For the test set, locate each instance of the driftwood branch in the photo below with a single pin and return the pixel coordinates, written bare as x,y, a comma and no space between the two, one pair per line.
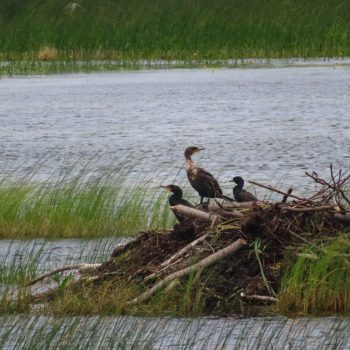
200,265
81,267
195,213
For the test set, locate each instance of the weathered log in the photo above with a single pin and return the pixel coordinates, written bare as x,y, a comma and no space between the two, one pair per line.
195,213
238,244
83,268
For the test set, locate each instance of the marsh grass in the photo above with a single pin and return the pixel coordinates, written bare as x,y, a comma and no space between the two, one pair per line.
81,206
36,31
33,332
319,286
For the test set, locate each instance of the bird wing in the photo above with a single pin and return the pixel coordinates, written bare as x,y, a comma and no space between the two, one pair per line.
210,181
248,197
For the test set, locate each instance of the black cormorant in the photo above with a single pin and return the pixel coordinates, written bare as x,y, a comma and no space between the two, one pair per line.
176,198
239,193
203,182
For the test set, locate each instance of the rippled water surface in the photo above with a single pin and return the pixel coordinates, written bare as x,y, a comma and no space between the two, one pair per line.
33,332
265,124
268,124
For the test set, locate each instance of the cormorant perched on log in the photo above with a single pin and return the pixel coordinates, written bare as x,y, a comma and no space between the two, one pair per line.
203,182
176,199
239,193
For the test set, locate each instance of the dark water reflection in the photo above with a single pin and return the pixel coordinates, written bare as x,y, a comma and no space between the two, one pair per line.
267,124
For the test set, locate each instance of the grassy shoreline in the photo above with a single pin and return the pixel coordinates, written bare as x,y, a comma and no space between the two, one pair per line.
37,67
89,30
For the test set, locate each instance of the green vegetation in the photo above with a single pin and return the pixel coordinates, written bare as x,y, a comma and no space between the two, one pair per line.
319,285
81,206
127,31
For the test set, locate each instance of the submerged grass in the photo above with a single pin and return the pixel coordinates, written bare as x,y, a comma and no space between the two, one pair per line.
319,286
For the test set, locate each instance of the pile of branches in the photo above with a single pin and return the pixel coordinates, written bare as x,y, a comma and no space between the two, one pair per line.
247,243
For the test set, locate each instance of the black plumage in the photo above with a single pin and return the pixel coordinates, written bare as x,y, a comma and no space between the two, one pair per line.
202,181
176,199
239,193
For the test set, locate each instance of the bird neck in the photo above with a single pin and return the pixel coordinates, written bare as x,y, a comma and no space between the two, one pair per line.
189,163
238,187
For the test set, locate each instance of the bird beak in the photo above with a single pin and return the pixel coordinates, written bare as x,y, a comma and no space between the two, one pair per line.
230,180
201,149
165,187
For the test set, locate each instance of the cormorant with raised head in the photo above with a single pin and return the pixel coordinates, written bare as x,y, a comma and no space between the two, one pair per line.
176,198
203,182
239,193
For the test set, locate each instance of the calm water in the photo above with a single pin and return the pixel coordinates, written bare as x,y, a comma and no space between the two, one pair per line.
266,124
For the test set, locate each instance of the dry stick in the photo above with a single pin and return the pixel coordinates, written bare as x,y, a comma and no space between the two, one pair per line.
325,183
302,210
279,191
80,267
199,214
259,297
174,259
229,205
184,250
238,244
285,197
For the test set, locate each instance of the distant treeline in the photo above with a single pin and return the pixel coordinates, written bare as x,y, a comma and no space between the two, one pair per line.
173,29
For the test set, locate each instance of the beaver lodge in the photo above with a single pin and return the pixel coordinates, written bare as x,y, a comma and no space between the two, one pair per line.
232,256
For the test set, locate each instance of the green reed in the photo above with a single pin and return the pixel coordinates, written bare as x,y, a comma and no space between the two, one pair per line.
321,285
173,29
81,206
33,332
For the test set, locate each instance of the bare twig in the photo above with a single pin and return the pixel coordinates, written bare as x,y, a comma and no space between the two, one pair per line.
285,197
279,191
81,267
184,250
307,209
259,297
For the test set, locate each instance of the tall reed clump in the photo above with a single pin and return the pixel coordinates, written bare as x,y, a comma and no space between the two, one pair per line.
81,206
320,285
172,29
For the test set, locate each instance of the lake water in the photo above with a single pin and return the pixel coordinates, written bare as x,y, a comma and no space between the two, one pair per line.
265,124
39,332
